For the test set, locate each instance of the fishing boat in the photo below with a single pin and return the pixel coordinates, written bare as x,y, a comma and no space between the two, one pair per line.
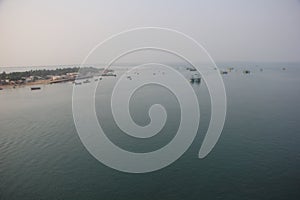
192,69
83,77
198,80
35,88
195,80
109,74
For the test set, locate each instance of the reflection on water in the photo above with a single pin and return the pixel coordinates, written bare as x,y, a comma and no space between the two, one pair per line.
257,156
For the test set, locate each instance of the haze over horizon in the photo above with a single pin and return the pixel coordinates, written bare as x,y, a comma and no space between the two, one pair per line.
41,32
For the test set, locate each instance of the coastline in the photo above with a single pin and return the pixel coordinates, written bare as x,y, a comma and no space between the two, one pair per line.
40,77
39,82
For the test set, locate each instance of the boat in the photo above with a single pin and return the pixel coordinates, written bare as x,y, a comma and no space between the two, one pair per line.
191,69
195,80
224,72
77,83
108,74
86,81
35,88
1,88
62,80
84,77
246,72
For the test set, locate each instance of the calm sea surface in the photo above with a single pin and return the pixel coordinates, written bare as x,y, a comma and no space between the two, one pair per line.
257,156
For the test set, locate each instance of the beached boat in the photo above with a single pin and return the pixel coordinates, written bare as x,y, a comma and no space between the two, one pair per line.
62,80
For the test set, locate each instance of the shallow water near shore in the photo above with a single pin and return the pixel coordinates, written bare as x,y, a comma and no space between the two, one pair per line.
257,156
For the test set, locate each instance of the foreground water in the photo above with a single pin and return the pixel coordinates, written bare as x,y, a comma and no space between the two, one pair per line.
257,156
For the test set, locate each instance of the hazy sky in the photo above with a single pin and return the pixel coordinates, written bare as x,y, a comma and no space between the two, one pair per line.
42,32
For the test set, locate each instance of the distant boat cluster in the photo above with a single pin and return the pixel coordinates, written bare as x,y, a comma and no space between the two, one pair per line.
245,71
82,79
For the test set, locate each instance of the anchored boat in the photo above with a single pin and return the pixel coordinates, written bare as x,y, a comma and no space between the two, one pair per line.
35,88
195,79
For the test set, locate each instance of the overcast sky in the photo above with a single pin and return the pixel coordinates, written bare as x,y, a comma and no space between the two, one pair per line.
47,32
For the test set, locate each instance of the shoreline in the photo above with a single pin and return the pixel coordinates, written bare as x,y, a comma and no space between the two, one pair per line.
40,82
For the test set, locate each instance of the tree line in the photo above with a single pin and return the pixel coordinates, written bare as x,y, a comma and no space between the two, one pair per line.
14,76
